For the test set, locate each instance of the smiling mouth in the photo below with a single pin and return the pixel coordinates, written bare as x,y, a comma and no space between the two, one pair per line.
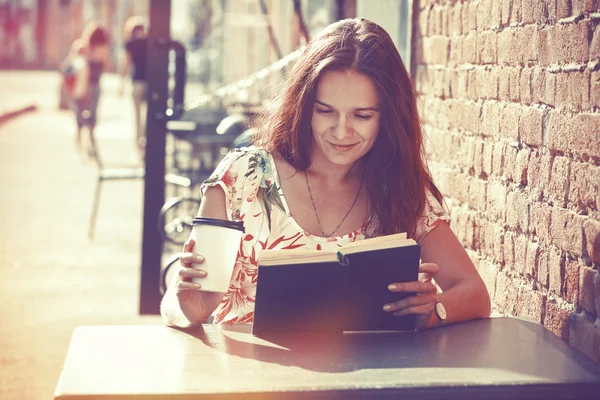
342,147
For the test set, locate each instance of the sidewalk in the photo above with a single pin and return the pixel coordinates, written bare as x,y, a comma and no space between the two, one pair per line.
53,279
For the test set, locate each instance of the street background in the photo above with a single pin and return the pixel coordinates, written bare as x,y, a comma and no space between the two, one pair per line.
52,277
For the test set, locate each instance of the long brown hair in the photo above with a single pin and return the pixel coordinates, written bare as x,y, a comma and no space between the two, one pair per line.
397,176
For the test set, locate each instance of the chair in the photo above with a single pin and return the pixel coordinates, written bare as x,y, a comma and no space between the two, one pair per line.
120,174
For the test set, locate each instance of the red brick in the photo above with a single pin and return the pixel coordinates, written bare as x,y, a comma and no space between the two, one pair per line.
519,175
496,198
436,50
498,247
435,21
595,89
514,78
498,159
566,231
439,83
490,118
533,12
525,86
533,256
517,211
543,86
422,79
455,19
509,121
464,115
571,283
573,91
489,83
559,180
530,304
538,172
487,47
577,133
419,53
547,46
515,13
592,241
487,159
508,48
595,44
469,49
506,293
557,320
458,83
526,41
543,268
455,50
469,16
503,83
556,260
582,6
477,194
584,336
573,42
510,162
540,220
506,8
563,8
509,250
521,255
587,277
473,88
584,184
531,126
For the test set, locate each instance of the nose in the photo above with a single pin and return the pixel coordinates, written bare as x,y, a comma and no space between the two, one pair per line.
342,129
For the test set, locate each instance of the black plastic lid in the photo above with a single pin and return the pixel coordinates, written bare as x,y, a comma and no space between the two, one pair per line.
239,225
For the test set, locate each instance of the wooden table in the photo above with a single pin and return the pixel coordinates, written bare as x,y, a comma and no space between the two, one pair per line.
491,358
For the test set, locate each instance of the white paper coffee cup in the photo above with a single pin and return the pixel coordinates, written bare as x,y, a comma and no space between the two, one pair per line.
218,241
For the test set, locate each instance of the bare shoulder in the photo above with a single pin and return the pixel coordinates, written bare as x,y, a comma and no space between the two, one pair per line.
285,170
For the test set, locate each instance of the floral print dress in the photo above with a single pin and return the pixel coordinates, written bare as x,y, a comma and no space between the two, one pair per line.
253,194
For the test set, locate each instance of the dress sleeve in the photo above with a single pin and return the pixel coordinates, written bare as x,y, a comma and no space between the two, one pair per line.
433,214
231,175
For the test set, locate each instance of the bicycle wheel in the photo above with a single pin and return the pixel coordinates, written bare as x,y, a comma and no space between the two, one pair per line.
166,274
175,218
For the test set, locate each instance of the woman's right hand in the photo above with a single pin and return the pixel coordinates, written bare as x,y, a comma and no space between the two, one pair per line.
187,271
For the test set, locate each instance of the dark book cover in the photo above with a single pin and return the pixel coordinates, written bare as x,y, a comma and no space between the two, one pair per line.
333,297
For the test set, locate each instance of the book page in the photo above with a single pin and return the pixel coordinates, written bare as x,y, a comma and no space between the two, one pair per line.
377,243
297,256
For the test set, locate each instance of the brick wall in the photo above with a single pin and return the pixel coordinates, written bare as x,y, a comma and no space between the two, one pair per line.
510,94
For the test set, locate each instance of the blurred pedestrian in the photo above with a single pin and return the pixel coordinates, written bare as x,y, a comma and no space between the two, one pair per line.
96,41
68,69
134,66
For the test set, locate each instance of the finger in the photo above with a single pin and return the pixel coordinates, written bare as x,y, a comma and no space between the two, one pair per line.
428,271
424,309
188,246
192,273
188,260
182,286
408,302
413,287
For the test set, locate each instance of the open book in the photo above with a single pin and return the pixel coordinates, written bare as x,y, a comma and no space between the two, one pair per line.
301,291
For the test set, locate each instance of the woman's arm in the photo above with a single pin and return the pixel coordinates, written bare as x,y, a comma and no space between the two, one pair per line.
183,304
125,70
464,296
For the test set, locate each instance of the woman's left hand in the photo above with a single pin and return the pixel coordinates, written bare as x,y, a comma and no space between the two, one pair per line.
423,302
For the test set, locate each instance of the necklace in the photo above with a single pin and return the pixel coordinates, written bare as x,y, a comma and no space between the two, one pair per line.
317,214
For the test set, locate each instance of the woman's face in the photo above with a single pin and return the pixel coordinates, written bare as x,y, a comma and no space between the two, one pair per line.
345,118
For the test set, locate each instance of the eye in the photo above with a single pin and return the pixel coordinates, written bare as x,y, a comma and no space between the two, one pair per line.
363,117
323,111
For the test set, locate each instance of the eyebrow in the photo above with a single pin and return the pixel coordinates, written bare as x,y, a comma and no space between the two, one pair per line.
375,109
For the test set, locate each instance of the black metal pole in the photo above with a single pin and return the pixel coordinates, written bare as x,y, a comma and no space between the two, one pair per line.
154,182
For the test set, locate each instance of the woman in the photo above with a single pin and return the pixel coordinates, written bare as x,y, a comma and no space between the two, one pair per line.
86,93
339,158
135,64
